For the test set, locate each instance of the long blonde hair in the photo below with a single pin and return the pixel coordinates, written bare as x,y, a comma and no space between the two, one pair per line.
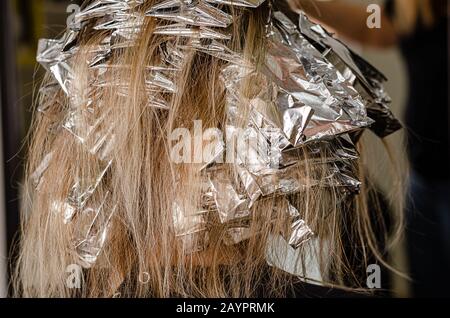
141,184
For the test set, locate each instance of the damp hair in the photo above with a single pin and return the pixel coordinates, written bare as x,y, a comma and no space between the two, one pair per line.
142,184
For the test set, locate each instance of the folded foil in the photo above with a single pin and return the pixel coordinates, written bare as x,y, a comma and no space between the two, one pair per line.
84,188
356,70
192,12
239,3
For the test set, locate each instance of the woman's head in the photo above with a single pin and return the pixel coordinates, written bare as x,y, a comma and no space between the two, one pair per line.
117,179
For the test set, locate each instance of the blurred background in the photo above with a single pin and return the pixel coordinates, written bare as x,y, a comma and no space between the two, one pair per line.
23,22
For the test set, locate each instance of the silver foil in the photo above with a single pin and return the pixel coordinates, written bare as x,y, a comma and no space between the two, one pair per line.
192,12
356,70
239,3
190,229
299,232
92,226
83,189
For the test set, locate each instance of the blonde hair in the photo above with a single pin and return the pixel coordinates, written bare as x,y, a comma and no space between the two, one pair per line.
142,184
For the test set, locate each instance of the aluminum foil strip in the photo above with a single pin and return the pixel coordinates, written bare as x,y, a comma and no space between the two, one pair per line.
96,137
188,224
62,209
158,81
194,236
93,132
289,181
59,62
155,99
251,188
192,12
129,21
181,30
90,226
258,153
220,51
97,143
285,182
299,232
316,33
52,57
236,235
91,230
230,203
103,8
252,148
347,182
87,118
233,199
385,121
239,3
190,229
56,61
83,189
172,55
339,149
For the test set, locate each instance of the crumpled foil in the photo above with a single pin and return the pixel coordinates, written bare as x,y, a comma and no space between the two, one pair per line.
92,227
311,96
360,74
